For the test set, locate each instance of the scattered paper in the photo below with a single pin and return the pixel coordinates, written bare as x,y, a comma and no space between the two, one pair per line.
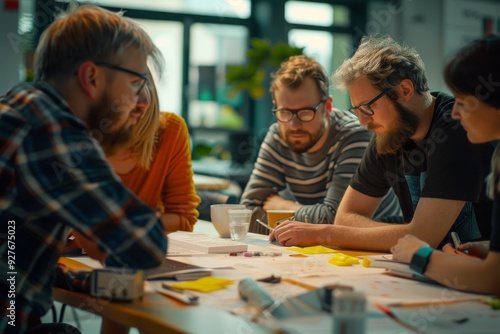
205,284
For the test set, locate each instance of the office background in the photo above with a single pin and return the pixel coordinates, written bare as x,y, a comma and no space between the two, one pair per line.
202,39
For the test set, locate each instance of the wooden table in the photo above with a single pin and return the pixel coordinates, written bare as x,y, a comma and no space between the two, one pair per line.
155,313
204,182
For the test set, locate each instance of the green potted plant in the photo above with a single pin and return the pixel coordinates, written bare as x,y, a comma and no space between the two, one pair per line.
262,57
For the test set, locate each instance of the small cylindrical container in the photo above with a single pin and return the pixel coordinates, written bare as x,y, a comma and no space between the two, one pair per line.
349,312
239,222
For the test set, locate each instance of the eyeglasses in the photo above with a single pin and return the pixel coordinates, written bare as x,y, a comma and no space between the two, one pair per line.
366,108
304,115
144,77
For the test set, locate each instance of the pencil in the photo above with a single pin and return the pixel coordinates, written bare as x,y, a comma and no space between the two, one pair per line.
297,283
434,302
264,224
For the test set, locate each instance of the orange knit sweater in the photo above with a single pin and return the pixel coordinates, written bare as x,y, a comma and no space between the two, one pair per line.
168,185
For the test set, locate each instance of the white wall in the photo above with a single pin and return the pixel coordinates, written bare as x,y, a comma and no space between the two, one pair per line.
10,54
422,29
435,28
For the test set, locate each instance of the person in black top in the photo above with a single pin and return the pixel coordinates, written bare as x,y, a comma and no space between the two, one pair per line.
473,76
418,150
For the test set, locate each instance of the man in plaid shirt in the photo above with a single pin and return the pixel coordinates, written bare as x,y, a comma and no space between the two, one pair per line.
90,69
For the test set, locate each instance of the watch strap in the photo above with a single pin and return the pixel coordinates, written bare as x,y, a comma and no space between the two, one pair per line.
420,259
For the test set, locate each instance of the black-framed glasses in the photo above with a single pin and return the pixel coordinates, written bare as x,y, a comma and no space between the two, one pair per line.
366,108
304,114
143,76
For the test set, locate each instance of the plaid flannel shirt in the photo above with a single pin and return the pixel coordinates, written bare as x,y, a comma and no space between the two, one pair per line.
53,177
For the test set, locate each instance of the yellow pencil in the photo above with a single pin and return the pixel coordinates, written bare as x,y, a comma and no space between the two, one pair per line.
297,283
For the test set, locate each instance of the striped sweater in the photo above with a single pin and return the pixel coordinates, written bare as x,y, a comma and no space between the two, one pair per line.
315,180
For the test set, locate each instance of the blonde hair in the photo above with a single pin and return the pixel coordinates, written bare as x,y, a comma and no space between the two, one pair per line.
147,132
293,72
89,33
385,63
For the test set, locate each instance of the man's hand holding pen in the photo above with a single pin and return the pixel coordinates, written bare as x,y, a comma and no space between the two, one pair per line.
292,233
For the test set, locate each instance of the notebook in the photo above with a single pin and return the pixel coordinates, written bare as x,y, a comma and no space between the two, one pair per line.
207,244
399,269
176,270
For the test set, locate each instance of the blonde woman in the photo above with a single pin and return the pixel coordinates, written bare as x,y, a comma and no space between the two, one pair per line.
156,164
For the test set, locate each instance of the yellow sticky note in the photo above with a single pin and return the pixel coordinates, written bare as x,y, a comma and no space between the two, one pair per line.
313,250
340,259
204,284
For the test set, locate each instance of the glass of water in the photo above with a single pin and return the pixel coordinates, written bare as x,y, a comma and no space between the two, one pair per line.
239,221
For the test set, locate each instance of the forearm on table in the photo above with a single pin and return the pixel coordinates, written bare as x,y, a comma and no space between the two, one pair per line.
379,239
470,274
356,220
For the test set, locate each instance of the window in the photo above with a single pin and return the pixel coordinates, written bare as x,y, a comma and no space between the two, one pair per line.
220,8
318,45
318,14
167,36
323,30
214,47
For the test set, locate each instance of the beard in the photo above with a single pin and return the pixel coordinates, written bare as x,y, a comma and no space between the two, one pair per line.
302,147
405,127
101,126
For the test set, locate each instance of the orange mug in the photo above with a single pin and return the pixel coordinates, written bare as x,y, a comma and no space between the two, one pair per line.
275,215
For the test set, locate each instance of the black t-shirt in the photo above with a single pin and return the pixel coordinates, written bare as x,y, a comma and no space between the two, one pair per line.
443,165
495,193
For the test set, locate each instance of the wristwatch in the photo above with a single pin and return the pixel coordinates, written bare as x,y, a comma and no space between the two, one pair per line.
420,259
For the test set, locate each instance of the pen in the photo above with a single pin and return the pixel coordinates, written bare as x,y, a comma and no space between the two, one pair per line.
264,224
236,253
178,294
456,239
252,254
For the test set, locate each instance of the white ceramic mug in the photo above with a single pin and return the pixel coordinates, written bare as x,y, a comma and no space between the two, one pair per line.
218,216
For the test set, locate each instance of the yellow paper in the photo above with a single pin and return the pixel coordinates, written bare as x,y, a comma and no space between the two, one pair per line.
340,259
313,250
205,284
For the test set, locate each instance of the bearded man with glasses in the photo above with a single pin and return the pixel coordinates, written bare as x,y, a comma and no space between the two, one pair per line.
311,152
90,70
417,150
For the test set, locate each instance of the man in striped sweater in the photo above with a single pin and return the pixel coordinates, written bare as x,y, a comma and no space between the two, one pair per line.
312,151
418,150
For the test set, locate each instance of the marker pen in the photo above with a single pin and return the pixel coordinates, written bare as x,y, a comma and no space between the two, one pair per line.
252,254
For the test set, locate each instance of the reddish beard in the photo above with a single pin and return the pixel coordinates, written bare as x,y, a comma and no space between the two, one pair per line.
102,126
301,147
405,127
